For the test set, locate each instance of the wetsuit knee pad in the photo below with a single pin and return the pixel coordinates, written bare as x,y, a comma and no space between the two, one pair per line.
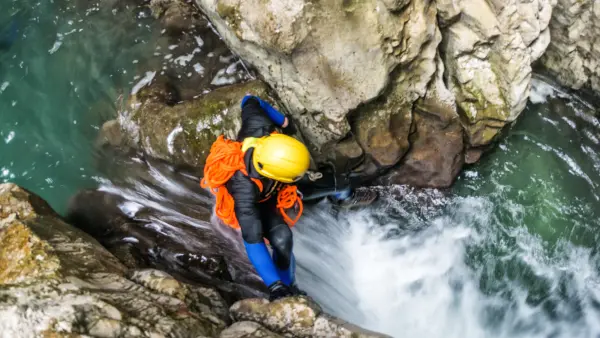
282,241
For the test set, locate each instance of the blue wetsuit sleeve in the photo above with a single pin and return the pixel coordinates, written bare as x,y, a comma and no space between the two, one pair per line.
274,115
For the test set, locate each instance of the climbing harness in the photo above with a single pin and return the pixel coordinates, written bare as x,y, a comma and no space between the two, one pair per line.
226,157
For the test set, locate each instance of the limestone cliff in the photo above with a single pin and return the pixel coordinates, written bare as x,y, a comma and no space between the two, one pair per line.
392,77
573,56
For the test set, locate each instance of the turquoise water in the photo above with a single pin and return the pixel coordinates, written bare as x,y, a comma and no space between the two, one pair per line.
58,83
512,250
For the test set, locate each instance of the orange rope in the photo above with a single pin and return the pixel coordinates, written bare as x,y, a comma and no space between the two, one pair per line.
286,199
225,158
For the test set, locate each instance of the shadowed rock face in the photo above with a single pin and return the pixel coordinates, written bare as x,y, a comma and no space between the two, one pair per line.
157,216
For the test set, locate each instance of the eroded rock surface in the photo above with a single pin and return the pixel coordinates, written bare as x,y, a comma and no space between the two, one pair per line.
182,133
56,280
296,317
488,49
574,53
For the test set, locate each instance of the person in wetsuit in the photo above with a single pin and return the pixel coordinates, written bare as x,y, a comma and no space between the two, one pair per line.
276,160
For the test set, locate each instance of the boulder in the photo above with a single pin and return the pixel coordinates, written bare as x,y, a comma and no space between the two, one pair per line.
301,49
295,317
58,281
358,72
573,56
183,133
437,147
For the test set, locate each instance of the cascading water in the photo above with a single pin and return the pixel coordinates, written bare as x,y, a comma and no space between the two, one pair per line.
510,252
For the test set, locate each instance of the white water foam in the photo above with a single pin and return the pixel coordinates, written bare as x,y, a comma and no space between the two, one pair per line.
419,285
541,91
415,285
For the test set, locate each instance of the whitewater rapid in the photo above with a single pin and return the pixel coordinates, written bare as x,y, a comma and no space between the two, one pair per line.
419,283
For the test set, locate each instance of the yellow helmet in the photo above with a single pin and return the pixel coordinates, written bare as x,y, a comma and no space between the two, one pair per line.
281,158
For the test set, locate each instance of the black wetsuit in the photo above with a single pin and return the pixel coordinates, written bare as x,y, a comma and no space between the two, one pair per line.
259,220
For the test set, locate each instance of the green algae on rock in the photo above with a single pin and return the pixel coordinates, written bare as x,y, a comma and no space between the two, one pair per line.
183,133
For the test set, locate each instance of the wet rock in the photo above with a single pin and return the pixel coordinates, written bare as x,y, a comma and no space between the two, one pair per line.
473,155
110,135
58,281
194,253
573,56
301,49
183,133
248,330
189,57
160,282
155,215
201,298
436,156
436,153
176,16
488,53
345,155
295,317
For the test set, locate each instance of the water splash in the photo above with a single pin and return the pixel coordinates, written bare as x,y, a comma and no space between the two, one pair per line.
426,283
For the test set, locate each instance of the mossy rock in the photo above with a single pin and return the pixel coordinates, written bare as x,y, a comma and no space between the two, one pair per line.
183,134
24,257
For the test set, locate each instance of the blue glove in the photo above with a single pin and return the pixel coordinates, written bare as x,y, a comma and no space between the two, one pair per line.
273,114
